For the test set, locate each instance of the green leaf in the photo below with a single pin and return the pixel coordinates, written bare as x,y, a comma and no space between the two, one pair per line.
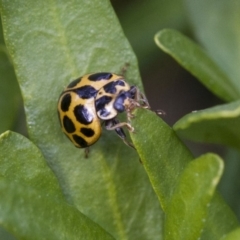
235,234
6,235
220,219
31,215
31,203
52,43
230,182
21,161
187,212
9,89
214,125
164,158
216,26
196,61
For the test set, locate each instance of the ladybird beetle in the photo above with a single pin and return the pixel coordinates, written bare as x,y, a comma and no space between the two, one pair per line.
95,98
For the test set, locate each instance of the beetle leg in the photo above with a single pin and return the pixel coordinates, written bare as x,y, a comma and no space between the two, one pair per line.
124,69
120,132
138,99
87,150
114,124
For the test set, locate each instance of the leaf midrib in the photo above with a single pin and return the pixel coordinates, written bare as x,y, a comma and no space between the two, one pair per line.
112,193
63,40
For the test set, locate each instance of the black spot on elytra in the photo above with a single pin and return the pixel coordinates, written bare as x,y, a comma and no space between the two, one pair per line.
118,104
82,114
111,87
65,102
86,92
132,92
100,76
68,124
88,132
102,101
74,83
80,141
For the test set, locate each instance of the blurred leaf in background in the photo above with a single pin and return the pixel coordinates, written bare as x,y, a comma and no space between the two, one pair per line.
216,26
194,59
142,19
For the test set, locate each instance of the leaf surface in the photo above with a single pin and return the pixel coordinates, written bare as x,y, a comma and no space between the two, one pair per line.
31,204
214,125
187,212
235,234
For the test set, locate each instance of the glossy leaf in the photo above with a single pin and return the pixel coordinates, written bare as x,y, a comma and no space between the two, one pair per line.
187,212
31,203
196,61
216,26
52,43
215,125
164,158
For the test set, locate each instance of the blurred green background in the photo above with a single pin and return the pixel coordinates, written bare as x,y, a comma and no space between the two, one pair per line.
168,86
